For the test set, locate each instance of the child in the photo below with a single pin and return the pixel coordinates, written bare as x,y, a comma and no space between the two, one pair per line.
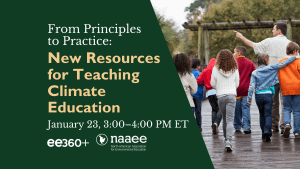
204,79
242,118
197,98
225,79
263,81
189,83
289,78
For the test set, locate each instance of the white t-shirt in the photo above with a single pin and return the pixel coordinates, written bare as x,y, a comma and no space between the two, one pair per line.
275,47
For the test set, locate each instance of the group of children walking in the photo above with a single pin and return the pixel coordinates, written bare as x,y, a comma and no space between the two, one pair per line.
230,81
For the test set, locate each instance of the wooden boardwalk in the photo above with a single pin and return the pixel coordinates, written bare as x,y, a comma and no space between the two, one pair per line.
249,150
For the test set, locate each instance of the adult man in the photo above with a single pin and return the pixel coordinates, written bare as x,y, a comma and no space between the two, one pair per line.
275,47
242,118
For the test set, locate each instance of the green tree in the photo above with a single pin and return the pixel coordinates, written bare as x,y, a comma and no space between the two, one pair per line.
189,43
200,3
236,11
168,29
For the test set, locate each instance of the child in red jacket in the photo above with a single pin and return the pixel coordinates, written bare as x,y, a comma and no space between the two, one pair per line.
204,79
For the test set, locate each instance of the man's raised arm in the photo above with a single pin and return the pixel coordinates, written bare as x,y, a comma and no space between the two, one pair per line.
245,40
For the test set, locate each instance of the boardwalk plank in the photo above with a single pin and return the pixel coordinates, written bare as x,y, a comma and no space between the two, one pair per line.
249,150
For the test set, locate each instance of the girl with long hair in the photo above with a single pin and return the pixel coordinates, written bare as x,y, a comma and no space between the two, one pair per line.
225,79
189,83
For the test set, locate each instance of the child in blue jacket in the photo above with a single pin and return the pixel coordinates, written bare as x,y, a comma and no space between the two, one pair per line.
262,82
197,98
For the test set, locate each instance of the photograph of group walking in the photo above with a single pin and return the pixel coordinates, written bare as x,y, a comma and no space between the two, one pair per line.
231,81
239,65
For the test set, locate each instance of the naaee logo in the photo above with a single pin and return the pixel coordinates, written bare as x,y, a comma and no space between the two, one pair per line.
102,139
128,139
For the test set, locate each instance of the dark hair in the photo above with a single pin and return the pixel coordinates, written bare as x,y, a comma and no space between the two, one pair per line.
291,47
282,26
225,61
262,59
182,63
195,62
242,50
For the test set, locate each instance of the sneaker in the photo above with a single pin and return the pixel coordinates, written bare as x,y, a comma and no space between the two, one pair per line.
267,136
263,136
275,128
237,130
286,132
228,146
215,128
297,135
247,131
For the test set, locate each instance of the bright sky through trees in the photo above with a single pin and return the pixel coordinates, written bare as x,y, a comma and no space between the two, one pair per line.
173,9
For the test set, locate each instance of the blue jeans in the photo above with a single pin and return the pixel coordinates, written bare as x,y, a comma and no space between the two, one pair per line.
264,103
197,110
242,118
291,103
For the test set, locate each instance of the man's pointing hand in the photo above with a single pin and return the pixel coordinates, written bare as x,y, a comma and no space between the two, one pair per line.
238,34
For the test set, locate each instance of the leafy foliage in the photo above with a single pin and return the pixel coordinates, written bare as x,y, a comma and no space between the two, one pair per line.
187,43
236,11
169,32
200,3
